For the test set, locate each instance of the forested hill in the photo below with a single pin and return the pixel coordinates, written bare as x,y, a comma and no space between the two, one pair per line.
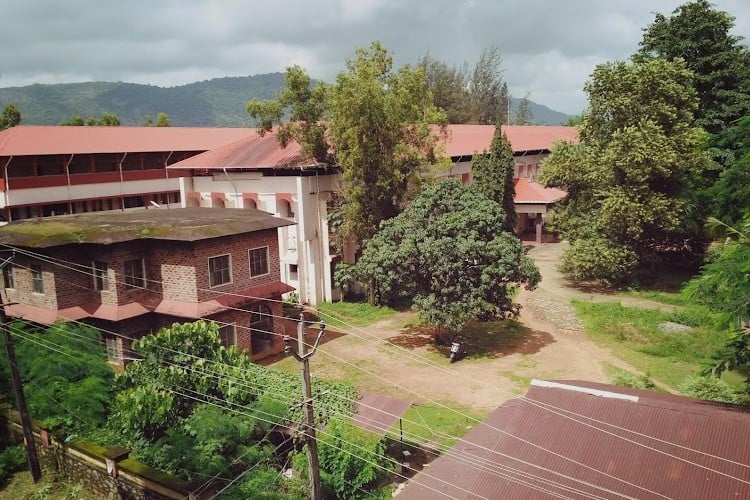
218,102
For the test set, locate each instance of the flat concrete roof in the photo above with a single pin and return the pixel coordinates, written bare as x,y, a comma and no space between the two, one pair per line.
113,226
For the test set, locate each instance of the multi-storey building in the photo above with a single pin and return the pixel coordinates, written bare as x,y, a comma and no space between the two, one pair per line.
53,170
132,273
257,172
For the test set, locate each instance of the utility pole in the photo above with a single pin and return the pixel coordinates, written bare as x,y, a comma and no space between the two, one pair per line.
28,434
316,491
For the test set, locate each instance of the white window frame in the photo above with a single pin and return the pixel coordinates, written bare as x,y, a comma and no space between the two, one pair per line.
250,261
130,277
100,275
233,326
33,272
210,271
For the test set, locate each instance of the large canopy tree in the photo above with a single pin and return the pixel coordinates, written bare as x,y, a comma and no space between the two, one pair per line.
476,96
449,254
629,179
374,122
700,35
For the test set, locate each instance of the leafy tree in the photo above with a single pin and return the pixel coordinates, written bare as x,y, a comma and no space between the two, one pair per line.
75,121
380,127
162,120
730,194
10,117
477,96
306,107
449,87
523,114
700,35
104,120
351,459
629,180
378,122
449,254
493,176
69,386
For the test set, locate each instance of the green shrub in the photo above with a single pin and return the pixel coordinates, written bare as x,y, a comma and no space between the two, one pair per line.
627,379
352,460
12,459
709,388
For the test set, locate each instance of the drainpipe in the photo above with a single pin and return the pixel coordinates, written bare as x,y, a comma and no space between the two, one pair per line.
233,187
166,176
7,186
67,175
122,194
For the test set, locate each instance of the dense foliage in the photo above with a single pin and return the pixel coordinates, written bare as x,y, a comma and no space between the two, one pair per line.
476,96
378,123
449,255
630,179
493,176
104,120
10,117
724,285
69,386
700,35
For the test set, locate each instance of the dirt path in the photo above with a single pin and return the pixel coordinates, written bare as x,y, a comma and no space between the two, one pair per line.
391,358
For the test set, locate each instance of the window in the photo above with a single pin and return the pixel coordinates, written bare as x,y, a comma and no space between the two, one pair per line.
259,261
227,335
261,328
219,270
8,276
101,278
135,273
293,269
114,349
37,283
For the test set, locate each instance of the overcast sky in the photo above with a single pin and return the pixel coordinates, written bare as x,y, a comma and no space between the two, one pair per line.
549,47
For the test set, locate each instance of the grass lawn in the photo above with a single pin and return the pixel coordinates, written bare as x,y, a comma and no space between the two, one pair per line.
22,487
435,424
635,336
343,314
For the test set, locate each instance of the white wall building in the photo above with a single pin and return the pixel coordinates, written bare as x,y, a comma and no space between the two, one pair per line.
257,172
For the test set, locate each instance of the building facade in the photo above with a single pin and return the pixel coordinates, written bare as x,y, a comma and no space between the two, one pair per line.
56,170
257,172
132,273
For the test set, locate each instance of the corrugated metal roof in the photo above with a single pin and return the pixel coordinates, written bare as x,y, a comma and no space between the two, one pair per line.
533,193
176,224
378,413
50,139
465,140
250,152
575,444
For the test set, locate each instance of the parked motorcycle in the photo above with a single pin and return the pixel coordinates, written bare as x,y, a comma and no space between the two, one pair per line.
457,351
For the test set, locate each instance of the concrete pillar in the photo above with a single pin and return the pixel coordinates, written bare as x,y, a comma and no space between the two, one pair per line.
539,223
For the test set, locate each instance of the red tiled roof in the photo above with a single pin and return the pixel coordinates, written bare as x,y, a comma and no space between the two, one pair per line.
101,311
531,192
252,152
465,140
656,446
49,139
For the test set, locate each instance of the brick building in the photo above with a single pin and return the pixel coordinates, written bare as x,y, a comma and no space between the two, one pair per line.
132,273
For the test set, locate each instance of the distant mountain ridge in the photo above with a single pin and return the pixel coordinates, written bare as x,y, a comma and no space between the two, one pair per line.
219,102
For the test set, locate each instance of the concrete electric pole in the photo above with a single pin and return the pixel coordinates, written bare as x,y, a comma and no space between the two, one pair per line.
316,491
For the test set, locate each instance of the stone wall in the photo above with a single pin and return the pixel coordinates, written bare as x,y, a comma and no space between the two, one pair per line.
85,463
